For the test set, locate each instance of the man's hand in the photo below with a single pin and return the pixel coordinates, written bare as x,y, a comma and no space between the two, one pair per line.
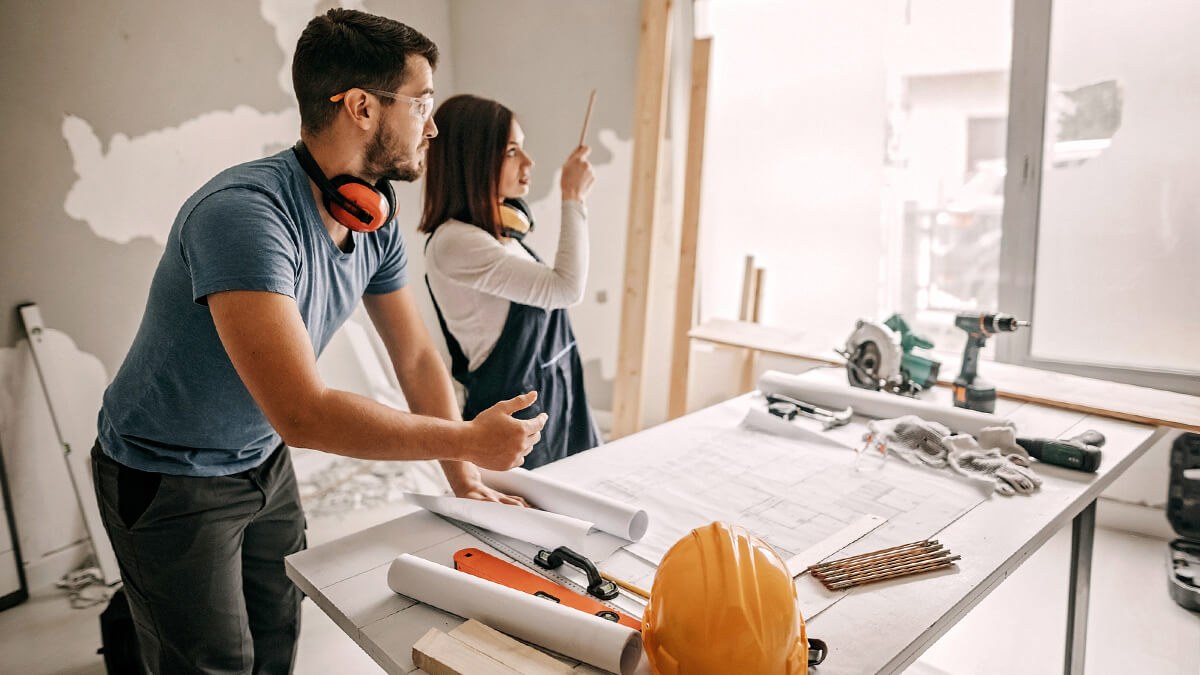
467,483
501,441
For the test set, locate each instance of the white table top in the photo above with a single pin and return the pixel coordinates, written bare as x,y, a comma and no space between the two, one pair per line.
878,628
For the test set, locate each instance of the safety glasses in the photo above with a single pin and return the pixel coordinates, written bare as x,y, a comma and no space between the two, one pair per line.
421,106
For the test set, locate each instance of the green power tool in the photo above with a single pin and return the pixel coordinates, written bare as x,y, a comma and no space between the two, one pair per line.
880,356
1081,452
971,391
921,370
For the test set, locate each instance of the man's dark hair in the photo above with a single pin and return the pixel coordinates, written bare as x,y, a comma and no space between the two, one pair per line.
345,48
462,166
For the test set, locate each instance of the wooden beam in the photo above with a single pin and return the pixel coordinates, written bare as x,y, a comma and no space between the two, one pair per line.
440,654
756,308
689,237
649,113
746,307
751,309
477,649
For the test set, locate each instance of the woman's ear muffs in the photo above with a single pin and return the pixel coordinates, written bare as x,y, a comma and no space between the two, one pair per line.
516,218
351,201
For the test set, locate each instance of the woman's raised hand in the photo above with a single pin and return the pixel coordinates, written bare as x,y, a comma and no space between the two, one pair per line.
577,176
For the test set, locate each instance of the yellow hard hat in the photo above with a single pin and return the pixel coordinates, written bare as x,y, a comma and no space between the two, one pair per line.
723,601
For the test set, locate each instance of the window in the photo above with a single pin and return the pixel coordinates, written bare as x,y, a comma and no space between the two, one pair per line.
1107,240
930,158
855,150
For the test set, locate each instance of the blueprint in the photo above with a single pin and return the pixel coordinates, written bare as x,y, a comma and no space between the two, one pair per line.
790,492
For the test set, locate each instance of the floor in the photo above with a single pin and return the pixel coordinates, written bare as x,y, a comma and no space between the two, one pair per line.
1134,626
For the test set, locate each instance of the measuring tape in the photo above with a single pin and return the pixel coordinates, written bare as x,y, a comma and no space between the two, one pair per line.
491,539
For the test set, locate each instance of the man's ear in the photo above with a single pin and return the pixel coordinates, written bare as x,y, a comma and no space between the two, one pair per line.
364,110
360,108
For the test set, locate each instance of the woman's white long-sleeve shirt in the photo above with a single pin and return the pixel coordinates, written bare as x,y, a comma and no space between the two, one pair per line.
475,278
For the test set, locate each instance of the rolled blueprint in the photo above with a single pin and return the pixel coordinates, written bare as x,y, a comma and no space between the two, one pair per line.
545,529
579,635
877,404
603,512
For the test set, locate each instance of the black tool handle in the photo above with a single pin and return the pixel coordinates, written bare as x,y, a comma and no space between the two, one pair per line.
597,586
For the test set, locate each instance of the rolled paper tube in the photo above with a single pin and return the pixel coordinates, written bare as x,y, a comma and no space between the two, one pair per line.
605,644
877,404
605,513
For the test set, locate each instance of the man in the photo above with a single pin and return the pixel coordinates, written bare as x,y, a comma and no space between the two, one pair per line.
191,467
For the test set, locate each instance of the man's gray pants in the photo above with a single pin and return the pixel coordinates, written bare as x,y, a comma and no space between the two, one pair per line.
202,563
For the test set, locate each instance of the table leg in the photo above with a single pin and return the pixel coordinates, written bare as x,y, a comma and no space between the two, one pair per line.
1083,534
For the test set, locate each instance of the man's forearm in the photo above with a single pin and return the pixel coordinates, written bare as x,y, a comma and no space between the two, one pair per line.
348,424
429,391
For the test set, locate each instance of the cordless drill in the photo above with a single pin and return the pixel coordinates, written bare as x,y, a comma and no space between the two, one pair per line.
970,390
1081,452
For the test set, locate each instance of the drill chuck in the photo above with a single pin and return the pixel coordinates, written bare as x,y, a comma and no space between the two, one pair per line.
988,324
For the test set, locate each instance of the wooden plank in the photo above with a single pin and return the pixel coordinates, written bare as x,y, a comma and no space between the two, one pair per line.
756,307
1088,395
1059,390
746,306
765,339
689,237
508,651
751,310
440,654
649,113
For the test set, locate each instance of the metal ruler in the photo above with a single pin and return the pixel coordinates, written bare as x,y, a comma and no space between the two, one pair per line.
498,542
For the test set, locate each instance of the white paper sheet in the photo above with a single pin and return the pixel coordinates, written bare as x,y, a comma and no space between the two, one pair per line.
792,493
877,404
576,634
603,512
547,530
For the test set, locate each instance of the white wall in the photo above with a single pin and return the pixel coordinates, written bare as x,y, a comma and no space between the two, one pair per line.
793,161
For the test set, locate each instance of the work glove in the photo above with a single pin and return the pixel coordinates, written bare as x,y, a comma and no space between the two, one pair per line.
1007,473
915,440
1004,439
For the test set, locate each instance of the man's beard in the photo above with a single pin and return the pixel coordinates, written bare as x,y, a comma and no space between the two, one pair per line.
384,161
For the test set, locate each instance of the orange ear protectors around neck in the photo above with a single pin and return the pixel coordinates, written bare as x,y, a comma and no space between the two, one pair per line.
516,218
351,201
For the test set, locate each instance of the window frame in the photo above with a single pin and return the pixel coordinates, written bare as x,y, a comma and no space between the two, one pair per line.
1029,77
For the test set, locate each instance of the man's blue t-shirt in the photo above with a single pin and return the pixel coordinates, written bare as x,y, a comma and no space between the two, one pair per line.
177,405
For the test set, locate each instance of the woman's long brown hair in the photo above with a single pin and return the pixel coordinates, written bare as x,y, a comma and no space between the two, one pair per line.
462,175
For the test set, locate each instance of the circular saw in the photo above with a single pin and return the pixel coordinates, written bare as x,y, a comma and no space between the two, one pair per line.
873,356
880,356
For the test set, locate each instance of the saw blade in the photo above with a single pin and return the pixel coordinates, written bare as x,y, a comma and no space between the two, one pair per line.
866,359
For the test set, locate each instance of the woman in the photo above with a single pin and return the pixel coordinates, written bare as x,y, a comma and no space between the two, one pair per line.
501,309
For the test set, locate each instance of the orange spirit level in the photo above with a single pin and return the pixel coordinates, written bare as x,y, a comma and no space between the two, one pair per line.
486,566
